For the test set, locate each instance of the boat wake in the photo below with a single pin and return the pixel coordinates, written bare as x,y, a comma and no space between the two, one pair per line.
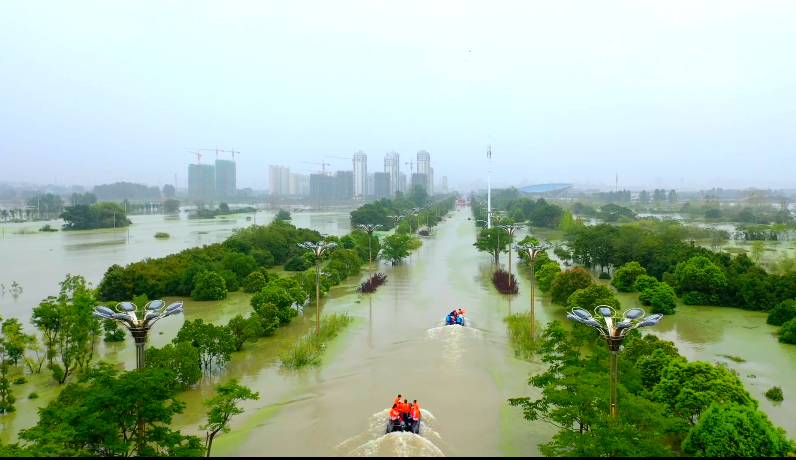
375,443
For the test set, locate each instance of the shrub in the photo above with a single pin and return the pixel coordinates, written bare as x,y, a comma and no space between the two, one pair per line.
568,282
48,228
775,394
21,380
369,286
662,298
162,235
33,395
546,275
209,286
518,215
255,282
503,283
787,334
262,257
643,282
230,279
593,295
782,313
604,276
113,333
307,350
296,264
625,276
423,232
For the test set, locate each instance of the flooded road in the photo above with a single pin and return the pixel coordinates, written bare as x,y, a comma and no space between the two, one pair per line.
461,377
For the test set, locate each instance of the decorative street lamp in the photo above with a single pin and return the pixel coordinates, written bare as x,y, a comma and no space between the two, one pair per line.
396,219
532,252
370,228
138,320
510,229
318,249
614,329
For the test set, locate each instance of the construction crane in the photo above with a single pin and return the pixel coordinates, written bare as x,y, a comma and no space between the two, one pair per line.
319,172
233,152
342,158
213,150
198,156
411,165
322,163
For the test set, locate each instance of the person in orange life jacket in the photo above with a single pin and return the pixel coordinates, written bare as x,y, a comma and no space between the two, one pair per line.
397,401
395,412
415,411
405,410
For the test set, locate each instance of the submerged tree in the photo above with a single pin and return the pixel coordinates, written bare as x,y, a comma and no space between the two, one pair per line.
223,407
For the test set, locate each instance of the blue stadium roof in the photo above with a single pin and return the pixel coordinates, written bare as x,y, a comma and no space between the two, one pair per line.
544,188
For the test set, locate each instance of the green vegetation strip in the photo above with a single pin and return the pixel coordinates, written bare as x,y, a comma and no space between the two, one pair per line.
519,330
307,350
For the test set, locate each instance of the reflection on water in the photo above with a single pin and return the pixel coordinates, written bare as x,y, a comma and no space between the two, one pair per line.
453,338
374,442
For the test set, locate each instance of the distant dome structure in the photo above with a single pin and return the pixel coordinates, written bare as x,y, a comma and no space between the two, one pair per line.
547,190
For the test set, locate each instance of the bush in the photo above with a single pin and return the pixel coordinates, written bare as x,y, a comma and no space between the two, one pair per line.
48,228
230,279
113,333
296,264
262,257
162,235
423,232
604,276
662,298
568,282
590,297
519,329
503,283
782,313
21,380
787,334
307,350
33,395
518,215
369,286
775,394
255,282
643,282
546,275
625,276
209,286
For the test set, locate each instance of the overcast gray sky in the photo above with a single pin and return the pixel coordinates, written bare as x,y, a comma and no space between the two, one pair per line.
662,92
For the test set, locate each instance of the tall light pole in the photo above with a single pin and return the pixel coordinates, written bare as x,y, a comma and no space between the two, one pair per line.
614,330
397,219
489,186
370,228
532,252
138,321
318,249
510,229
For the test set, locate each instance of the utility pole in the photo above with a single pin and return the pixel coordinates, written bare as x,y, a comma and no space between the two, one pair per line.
489,188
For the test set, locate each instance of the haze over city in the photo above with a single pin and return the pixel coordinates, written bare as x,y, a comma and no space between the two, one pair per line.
674,94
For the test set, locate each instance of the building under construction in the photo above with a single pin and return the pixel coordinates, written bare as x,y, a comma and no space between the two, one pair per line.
226,186
201,181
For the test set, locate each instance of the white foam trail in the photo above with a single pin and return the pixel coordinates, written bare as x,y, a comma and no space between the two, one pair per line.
374,442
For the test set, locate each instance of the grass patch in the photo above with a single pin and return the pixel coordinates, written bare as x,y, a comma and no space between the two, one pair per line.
737,359
414,243
162,235
307,351
518,326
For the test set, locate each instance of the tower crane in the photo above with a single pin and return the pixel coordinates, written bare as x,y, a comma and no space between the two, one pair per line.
213,150
198,156
342,158
411,165
233,152
322,163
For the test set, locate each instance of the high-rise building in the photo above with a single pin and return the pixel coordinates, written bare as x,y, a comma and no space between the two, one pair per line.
382,185
444,185
392,162
279,180
360,173
322,186
424,167
420,180
201,181
226,186
371,185
402,183
299,184
344,185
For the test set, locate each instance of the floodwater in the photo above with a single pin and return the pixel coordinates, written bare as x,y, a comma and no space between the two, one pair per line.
461,377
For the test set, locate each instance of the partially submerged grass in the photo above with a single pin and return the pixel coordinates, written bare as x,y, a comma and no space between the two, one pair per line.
737,359
162,235
518,326
308,349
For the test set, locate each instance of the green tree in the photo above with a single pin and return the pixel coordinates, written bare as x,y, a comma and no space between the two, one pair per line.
230,280
223,407
214,344
734,430
396,248
688,389
644,282
100,215
782,313
278,297
568,282
240,264
171,205
110,415
297,264
418,195
492,241
662,299
181,358
787,334
283,215
209,286
262,257
517,215
7,398
590,297
625,276
113,333
169,191
699,280
244,330
546,275
254,282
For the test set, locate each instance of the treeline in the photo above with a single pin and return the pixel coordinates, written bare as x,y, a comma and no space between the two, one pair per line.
126,190
379,212
90,217
665,402
538,213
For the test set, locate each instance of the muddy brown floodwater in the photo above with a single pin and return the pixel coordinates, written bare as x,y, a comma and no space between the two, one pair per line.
461,377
